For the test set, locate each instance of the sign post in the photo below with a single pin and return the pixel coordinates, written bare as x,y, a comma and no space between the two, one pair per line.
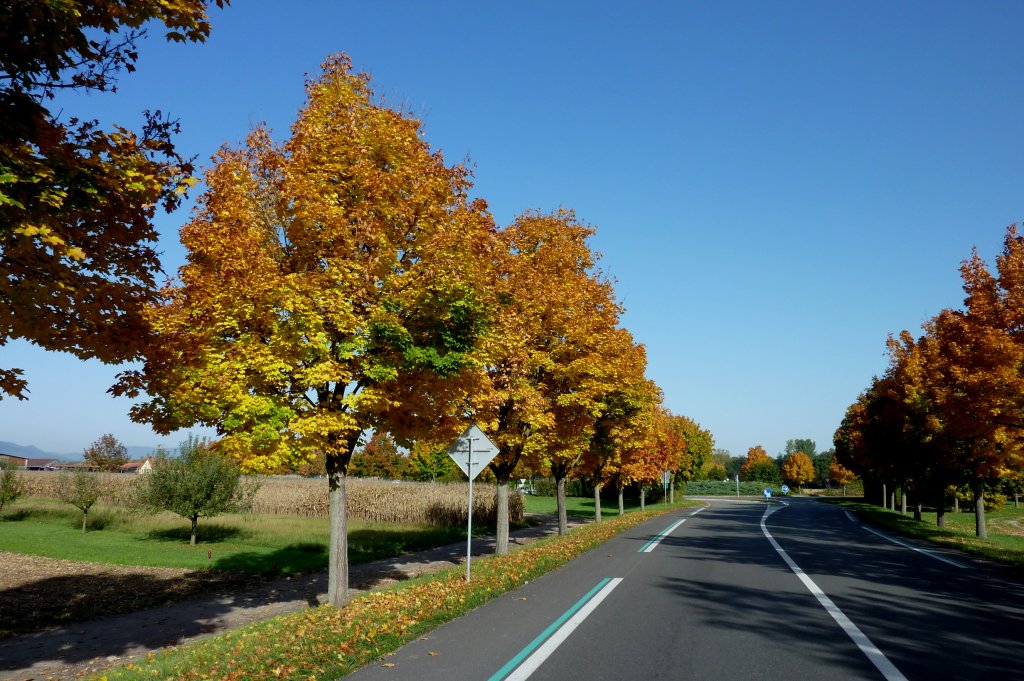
471,458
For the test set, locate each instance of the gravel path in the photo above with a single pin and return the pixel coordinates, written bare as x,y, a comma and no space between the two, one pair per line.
79,648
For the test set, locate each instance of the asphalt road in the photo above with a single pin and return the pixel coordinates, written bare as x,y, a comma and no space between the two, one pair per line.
794,589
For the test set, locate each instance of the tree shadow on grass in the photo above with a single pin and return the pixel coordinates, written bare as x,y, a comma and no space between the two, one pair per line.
292,559
206,533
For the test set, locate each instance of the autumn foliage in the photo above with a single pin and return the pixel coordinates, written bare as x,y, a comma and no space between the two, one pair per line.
77,243
947,410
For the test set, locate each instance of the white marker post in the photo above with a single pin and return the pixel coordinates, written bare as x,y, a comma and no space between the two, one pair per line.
461,451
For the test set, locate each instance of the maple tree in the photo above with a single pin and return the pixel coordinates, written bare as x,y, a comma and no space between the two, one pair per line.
77,257
798,469
658,452
543,374
758,466
379,458
429,462
840,475
949,406
697,451
326,292
107,453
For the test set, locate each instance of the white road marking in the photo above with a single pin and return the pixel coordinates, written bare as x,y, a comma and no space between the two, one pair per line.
877,658
530,664
926,552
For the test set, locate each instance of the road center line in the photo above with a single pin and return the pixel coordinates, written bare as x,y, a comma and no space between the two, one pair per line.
877,658
555,634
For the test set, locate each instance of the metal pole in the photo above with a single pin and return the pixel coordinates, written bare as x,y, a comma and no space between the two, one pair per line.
469,523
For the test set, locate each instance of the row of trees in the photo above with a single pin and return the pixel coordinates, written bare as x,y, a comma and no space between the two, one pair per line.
338,282
948,410
800,464
344,281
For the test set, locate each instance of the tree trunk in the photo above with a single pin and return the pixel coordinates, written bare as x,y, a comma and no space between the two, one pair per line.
597,502
979,510
672,492
643,500
903,501
917,511
501,531
892,500
337,557
622,507
85,518
956,502
195,529
563,517
885,497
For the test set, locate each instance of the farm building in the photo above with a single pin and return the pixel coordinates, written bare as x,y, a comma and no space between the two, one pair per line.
138,466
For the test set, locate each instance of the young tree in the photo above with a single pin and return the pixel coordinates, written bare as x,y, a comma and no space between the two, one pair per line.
798,469
199,483
77,244
80,488
332,286
12,485
107,454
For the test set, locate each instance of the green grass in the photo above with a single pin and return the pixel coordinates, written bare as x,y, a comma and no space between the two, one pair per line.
238,542
1005,541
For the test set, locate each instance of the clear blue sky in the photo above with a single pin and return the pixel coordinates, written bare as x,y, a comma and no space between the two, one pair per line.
776,186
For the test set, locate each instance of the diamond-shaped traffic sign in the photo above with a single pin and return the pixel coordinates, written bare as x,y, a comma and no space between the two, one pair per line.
472,451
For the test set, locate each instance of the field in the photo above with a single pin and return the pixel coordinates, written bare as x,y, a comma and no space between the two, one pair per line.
369,499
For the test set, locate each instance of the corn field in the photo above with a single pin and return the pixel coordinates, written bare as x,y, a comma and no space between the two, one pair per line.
369,499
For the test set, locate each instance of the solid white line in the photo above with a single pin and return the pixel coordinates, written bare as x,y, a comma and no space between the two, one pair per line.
698,511
850,517
530,664
877,658
926,552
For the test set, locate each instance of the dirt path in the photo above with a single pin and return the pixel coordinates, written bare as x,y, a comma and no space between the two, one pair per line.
71,651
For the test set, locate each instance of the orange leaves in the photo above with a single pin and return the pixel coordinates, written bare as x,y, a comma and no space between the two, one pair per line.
798,469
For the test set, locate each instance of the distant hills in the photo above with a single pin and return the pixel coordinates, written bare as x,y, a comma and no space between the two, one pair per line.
33,452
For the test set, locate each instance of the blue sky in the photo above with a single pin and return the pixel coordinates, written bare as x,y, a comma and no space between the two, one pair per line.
775,186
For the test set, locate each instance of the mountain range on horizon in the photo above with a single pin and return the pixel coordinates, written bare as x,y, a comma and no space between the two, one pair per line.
33,452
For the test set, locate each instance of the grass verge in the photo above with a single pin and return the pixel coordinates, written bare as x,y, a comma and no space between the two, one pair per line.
1005,542
325,643
583,507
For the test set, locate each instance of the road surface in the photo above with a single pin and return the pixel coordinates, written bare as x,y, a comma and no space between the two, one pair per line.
792,589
